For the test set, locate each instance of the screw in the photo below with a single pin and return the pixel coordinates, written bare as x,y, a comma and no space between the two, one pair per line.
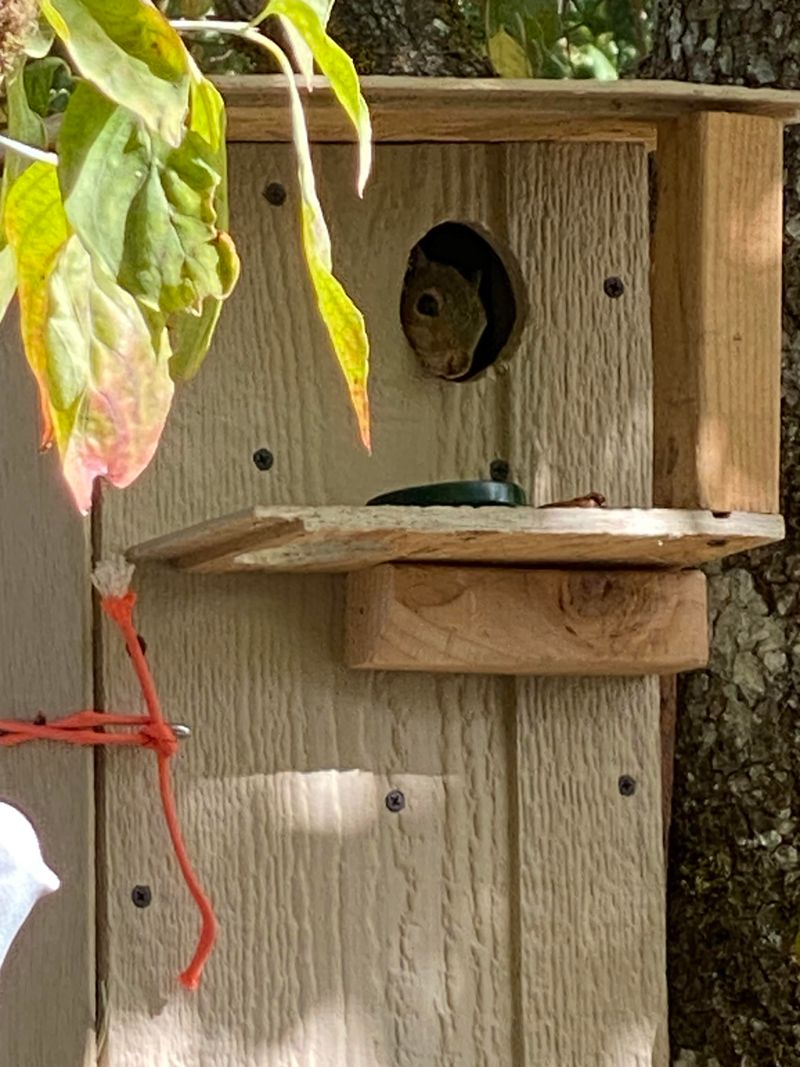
263,459
141,896
627,785
499,470
395,800
275,194
614,287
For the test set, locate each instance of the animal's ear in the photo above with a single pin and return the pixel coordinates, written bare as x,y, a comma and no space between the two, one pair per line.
474,278
418,260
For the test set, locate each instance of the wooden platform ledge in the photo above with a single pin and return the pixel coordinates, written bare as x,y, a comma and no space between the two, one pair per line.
352,538
484,620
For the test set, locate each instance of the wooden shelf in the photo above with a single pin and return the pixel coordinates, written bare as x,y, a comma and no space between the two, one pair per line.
340,538
493,109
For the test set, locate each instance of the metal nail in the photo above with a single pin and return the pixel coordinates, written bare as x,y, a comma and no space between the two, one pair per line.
181,730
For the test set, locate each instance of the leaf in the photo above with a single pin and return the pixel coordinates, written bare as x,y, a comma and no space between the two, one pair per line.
104,158
36,227
338,68
344,322
175,253
40,41
190,338
131,53
23,125
8,279
507,56
303,56
191,334
147,211
46,79
109,389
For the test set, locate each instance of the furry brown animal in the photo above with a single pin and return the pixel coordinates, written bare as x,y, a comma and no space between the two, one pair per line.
16,17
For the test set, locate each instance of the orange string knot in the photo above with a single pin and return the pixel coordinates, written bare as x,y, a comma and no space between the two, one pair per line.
160,738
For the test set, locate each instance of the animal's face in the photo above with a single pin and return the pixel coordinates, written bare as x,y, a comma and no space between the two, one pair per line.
443,316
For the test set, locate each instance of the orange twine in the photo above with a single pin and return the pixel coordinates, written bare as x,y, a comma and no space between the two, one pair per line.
154,733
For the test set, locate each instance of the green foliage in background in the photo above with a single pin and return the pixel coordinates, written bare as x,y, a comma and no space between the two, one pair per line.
116,244
565,38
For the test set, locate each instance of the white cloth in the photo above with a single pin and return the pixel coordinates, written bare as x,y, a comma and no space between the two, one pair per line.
24,876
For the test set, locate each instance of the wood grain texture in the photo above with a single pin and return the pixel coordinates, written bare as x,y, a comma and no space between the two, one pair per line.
47,984
717,257
338,538
591,879
493,110
486,924
492,620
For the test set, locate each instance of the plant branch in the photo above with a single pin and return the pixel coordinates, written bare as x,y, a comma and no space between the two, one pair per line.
28,151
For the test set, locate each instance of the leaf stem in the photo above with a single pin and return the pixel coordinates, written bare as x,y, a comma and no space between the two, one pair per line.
209,26
28,150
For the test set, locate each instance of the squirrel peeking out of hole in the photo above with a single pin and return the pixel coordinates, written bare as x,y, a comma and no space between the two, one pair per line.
443,315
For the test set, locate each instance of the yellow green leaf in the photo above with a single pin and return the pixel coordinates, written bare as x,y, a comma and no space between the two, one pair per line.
8,279
338,68
344,322
303,56
508,57
129,51
36,228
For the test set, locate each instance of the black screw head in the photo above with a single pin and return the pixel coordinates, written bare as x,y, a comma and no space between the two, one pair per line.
499,470
263,459
626,785
141,896
395,800
614,287
275,194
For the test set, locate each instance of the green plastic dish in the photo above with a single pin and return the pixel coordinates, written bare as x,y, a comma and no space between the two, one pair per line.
477,494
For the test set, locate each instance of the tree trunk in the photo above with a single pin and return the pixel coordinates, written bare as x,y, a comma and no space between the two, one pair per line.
424,37
734,880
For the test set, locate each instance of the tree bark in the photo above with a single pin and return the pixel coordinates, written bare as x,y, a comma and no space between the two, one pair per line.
734,878
422,37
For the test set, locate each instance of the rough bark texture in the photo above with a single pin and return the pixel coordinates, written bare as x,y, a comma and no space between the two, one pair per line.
734,868
423,37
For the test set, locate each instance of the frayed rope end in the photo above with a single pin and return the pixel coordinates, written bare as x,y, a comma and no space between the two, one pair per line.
112,577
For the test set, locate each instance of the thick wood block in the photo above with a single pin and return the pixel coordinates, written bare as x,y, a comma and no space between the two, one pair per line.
483,620
716,309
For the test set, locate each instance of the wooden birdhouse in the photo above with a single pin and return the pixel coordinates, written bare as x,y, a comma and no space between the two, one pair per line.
424,781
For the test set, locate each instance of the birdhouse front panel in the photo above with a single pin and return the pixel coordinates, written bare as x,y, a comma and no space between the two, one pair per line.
408,869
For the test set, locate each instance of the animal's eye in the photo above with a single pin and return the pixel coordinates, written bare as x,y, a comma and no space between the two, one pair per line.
428,305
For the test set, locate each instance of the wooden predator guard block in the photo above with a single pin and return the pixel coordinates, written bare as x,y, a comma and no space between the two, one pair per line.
484,620
716,306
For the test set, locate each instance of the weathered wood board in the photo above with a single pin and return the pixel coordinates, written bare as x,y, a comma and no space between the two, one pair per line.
494,109
47,994
329,539
486,923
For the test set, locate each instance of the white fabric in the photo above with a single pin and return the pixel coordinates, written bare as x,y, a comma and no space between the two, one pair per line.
24,876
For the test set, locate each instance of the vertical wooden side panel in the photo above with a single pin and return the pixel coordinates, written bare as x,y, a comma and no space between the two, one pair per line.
717,313
591,911
47,984
349,934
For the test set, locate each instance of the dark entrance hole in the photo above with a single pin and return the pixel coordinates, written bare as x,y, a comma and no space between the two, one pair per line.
458,307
